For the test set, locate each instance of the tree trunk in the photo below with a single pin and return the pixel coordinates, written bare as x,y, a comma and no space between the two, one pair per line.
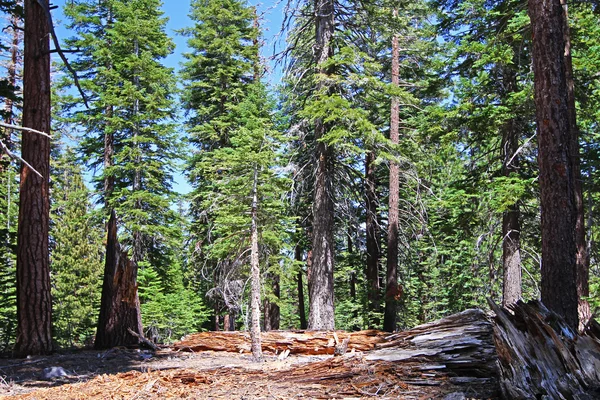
137,252
320,280
271,309
557,180
255,276
372,233
301,309
582,260
391,287
34,302
511,225
120,305
109,141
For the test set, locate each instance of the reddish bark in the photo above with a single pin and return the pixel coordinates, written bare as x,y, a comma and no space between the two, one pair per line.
34,302
120,305
557,176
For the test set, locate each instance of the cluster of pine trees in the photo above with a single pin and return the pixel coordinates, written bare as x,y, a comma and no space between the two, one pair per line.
390,179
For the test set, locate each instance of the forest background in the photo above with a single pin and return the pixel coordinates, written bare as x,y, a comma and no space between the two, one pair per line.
467,196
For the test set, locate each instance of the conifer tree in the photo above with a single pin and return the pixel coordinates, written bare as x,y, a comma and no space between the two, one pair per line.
76,255
131,98
9,185
34,304
218,72
129,129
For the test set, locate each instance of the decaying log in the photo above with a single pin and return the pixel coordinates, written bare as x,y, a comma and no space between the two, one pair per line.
541,357
275,342
461,344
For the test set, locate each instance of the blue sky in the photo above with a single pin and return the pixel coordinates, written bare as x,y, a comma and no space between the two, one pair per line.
177,11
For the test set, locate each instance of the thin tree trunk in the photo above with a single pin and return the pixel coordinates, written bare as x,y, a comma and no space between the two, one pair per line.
557,180
372,240
391,287
109,141
511,225
137,251
34,302
255,276
120,304
301,309
271,309
582,260
320,280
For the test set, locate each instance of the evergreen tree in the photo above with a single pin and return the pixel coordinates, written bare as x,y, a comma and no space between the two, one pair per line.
9,185
76,256
218,72
557,171
131,98
34,303
129,127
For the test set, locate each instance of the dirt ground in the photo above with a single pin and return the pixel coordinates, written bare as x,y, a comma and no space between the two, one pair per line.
171,374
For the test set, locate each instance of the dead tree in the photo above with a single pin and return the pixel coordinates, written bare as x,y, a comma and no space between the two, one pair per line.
120,322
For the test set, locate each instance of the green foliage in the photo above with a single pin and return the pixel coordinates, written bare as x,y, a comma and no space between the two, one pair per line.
131,100
167,316
9,200
76,255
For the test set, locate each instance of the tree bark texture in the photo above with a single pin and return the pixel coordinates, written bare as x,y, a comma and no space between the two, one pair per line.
255,276
511,224
320,282
557,177
372,239
391,286
34,302
120,304
301,308
582,260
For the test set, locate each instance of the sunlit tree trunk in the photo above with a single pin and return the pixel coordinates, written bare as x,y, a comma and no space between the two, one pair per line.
320,280
255,276
34,302
555,157
511,224
391,287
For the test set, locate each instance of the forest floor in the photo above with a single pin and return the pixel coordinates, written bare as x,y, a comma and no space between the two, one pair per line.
173,374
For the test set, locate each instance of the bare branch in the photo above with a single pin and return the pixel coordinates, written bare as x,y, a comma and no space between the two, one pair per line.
22,128
16,157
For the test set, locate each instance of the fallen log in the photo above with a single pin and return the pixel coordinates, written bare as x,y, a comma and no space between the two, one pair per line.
276,342
541,357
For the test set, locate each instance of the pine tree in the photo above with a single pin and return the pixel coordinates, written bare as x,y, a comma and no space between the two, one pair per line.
557,176
131,98
76,255
218,72
129,127
34,304
9,184
246,197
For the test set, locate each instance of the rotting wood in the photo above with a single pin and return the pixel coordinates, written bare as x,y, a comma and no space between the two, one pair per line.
275,342
541,357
